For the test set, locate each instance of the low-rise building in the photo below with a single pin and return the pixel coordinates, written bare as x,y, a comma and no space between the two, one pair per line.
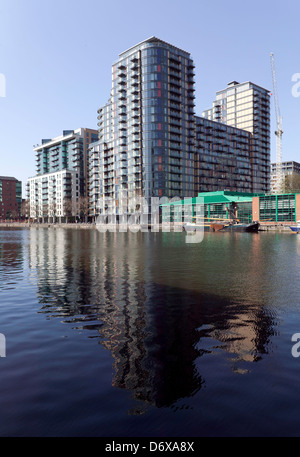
10,197
54,195
246,207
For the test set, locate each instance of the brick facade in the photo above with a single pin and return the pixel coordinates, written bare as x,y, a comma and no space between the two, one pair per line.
10,199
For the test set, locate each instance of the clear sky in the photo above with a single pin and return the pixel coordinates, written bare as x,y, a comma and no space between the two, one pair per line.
56,58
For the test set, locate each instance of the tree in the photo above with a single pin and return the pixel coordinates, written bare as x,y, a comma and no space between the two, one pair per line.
68,208
292,183
52,210
25,209
45,209
84,207
37,212
15,214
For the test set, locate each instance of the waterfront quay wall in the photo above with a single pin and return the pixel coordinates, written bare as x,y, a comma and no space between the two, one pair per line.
276,226
264,226
41,225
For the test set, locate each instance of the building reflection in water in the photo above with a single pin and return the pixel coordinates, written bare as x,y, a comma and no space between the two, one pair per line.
143,300
11,258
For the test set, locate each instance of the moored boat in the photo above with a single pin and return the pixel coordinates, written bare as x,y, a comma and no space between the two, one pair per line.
222,227
237,227
296,229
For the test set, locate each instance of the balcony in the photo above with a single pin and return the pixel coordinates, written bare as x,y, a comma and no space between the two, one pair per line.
174,74
122,74
175,81
174,64
175,121
174,97
174,90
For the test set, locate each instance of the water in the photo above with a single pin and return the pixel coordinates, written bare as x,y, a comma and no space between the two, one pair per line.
145,335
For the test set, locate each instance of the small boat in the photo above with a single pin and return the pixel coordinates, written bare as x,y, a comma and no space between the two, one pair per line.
296,229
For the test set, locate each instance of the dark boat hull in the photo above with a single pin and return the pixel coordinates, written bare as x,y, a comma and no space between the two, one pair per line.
251,228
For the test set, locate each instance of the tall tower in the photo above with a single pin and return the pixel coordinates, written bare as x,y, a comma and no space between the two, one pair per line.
247,106
147,129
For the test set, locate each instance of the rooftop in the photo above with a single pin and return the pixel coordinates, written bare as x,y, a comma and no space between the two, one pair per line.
216,197
153,39
7,178
67,135
235,83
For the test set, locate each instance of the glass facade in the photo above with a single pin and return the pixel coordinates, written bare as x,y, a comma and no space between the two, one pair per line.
217,206
277,208
273,209
247,106
222,160
151,144
146,144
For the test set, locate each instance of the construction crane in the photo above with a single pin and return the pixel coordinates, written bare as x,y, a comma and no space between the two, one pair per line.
279,173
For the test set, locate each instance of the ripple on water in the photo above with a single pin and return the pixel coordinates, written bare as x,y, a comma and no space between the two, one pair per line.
143,334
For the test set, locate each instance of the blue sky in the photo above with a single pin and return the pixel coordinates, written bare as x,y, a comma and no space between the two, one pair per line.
56,56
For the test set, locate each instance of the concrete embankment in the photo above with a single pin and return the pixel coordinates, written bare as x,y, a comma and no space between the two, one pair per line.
264,227
90,226
278,227
38,226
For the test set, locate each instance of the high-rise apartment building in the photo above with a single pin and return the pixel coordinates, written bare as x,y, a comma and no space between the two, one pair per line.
10,197
61,174
151,143
222,159
68,151
146,141
247,106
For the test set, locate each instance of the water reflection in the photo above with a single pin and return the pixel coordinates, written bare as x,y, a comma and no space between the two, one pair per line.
158,305
11,258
